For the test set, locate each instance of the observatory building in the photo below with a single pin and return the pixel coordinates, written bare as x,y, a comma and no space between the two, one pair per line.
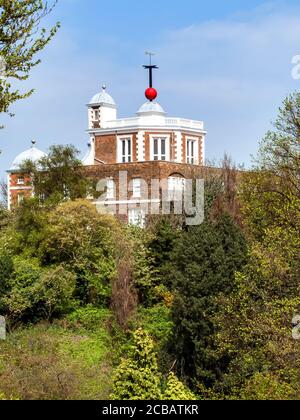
126,155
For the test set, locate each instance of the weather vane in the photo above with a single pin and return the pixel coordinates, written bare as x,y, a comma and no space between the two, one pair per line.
150,54
150,93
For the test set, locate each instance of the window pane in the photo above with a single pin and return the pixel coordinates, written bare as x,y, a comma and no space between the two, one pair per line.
155,147
129,147
163,146
129,151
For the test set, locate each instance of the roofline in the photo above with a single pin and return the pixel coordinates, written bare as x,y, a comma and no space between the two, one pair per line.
90,105
15,171
143,128
159,113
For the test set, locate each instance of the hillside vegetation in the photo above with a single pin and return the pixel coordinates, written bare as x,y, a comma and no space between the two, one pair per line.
99,310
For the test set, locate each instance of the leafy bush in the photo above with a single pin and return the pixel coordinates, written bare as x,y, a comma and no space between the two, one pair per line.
156,321
37,293
176,390
90,318
138,376
6,271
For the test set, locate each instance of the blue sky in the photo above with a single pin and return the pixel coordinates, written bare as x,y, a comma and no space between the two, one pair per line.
225,62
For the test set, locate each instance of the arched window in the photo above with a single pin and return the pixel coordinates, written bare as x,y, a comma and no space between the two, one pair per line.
176,186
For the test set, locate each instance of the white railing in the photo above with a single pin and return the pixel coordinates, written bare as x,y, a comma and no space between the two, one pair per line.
126,122
182,122
165,122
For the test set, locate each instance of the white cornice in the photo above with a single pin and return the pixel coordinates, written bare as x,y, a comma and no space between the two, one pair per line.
136,128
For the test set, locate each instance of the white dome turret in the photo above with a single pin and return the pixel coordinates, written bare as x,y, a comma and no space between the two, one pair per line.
102,98
151,108
33,154
102,108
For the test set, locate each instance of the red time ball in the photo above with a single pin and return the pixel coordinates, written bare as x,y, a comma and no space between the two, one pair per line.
151,94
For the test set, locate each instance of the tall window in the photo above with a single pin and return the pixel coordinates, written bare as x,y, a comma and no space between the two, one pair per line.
136,188
110,189
191,151
126,150
176,186
159,149
20,198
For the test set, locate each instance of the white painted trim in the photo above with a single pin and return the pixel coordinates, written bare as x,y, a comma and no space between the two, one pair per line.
178,140
119,147
136,128
160,136
20,188
196,151
141,146
203,149
8,192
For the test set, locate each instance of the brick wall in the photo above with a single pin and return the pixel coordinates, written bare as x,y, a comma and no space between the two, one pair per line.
106,147
15,188
146,170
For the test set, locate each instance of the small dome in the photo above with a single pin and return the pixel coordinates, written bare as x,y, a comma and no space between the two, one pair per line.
33,154
102,98
151,108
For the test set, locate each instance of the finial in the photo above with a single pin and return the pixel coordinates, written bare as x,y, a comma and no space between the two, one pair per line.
104,87
33,142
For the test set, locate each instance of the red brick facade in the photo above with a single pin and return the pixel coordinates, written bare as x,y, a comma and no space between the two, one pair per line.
106,146
17,189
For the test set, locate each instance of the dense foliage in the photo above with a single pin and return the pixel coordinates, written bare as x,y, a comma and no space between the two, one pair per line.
96,309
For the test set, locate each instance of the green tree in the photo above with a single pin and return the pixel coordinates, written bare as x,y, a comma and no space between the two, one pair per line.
270,193
85,241
6,271
145,276
176,390
54,292
255,320
59,175
204,264
36,293
21,39
165,233
138,376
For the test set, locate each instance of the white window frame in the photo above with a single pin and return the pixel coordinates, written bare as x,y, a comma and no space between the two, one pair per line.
192,159
159,155
128,156
21,180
